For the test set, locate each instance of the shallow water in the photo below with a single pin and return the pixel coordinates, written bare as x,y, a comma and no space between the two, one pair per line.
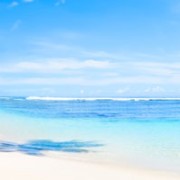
144,132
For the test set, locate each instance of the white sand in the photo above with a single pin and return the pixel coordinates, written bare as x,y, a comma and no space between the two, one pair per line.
15,166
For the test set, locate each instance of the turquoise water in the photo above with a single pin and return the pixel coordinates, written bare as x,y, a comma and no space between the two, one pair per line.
143,132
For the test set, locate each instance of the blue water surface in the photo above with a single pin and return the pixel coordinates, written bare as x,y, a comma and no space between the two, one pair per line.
144,130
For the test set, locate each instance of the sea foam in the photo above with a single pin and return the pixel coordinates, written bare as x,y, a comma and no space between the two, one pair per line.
94,99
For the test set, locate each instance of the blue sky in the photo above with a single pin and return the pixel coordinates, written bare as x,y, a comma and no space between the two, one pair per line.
90,48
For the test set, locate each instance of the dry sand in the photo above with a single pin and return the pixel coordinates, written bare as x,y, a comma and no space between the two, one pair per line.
16,166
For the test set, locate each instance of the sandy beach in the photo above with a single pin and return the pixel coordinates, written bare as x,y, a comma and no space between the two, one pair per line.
19,166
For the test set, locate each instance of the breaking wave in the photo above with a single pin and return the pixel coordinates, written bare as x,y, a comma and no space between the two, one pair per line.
94,99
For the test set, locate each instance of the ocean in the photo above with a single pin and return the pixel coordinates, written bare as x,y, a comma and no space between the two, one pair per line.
140,131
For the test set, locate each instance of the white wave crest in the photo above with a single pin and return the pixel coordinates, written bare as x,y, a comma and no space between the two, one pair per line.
94,99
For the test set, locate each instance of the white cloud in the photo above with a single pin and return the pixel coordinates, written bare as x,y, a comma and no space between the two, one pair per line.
55,66
99,54
28,1
41,81
13,4
51,47
122,90
16,3
59,2
80,81
94,73
63,1
47,46
82,91
156,89
167,69
176,7
16,25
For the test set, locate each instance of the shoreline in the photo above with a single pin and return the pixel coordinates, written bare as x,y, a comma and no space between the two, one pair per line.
20,166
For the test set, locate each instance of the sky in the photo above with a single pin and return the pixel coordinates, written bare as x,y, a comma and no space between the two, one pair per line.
90,48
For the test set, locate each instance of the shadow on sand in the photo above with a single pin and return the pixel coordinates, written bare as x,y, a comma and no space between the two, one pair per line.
37,147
